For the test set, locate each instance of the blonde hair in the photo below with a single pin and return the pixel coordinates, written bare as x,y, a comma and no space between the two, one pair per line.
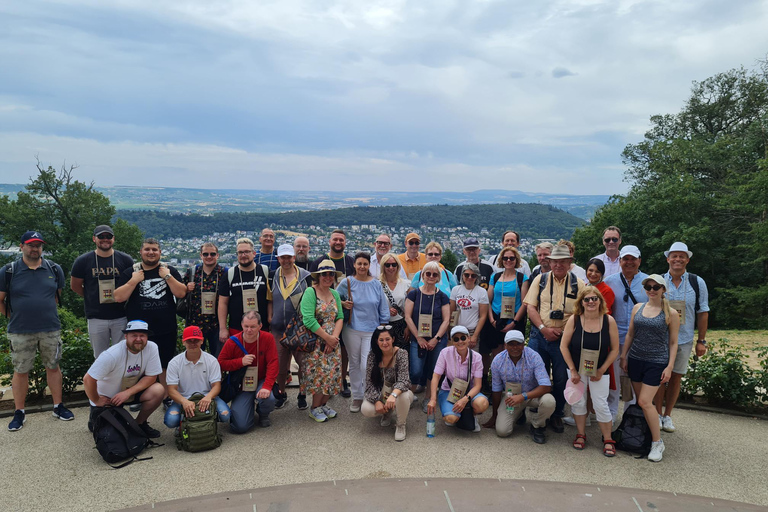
383,260
432,244
244,241
568,244
518,263
578,308
665,307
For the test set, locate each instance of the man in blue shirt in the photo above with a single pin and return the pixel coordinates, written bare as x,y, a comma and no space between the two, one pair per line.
627,286
267,254
521,371
693,309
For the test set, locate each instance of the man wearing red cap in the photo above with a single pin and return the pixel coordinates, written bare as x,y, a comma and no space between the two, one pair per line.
30,289
192,372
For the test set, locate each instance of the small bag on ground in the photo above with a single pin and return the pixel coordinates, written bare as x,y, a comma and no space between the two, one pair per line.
633,434
199,432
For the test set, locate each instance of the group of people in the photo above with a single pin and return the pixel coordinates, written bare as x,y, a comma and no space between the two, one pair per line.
395,324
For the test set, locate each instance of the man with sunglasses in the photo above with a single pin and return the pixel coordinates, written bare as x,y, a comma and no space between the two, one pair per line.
93,277
627,286
382,246
203,283
612,242
412,261
688,295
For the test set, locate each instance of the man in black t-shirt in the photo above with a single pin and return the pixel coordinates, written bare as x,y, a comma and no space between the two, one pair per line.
94,277
149,290
246,288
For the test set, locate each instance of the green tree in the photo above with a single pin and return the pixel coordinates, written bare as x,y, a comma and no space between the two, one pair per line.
65,211
700,176
449,260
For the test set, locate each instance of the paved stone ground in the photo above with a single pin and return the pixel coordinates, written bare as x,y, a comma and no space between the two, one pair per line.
52,465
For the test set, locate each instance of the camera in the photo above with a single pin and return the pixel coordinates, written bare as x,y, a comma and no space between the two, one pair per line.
556,315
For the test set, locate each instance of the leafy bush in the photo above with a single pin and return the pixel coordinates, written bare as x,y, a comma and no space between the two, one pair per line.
723,376
77,356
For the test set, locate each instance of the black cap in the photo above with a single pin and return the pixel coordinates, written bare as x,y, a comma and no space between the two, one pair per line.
102,229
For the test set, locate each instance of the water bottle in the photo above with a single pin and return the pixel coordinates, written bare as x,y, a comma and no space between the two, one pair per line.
510,408
431,425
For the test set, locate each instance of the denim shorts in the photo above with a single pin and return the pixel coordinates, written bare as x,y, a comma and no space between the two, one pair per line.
446,407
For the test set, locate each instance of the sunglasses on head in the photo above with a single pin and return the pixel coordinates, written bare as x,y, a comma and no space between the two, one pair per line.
508,258
591,299
384,327
413,242
390,265
431,274
610,240
207,254
105,236
459,337
654,287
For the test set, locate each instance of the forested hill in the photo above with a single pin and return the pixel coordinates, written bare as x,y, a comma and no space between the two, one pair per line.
530,220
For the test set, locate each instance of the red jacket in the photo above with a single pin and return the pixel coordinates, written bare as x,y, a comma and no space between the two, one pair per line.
231,357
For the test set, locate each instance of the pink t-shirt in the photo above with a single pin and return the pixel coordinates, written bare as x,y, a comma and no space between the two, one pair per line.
449,364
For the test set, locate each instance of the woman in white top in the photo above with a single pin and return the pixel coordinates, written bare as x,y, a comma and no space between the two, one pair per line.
471,301
395,289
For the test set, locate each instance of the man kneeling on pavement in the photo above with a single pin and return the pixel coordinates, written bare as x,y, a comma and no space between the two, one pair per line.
125,374
520,383
192,372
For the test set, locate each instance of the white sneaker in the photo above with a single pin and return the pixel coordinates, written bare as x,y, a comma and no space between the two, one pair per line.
667,425
661,423
400,433
568,420
477,426
657,448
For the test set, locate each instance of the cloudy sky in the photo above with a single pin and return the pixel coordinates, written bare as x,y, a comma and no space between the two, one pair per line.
354,95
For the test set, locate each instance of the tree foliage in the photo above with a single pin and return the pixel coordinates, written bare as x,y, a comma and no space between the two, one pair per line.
699,176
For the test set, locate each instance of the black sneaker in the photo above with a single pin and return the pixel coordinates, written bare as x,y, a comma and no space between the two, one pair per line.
301,402
151,432
345,392
538,434
281,399
19,418
556,424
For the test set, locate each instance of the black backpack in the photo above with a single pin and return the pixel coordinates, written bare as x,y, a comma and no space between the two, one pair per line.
633,434
118,437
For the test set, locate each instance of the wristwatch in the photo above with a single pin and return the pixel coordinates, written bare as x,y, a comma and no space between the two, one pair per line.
703,342
167,277
542,326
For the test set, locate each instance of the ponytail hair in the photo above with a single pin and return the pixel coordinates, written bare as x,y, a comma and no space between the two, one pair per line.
665,307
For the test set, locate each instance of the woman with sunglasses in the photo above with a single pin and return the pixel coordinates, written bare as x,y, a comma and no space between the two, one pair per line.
368,308
649,353
471,301
387,383
590,345
427,313
322,314
595,273
395,289
434,252
505,294
453,363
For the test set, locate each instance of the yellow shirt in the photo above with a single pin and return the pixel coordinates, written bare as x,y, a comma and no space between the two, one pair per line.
553,301
411,266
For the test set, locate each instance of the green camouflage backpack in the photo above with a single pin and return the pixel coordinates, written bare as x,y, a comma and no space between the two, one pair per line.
199,433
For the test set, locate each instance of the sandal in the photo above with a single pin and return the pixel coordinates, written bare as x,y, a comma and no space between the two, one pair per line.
580,441
609,448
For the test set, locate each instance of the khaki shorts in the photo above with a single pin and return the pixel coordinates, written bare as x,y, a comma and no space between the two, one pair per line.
681,361
25,346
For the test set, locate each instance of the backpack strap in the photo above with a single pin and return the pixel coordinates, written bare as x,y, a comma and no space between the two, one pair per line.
237,342
693,279
520,277
542,284
230,275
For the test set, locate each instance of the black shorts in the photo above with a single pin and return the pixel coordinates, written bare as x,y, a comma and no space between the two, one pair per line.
490,338
645,372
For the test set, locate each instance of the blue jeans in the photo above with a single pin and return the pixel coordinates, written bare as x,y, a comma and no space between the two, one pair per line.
173,414
243,419
553,359
423,368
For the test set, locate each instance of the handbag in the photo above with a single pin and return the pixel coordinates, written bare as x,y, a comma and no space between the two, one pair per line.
467,418
296,336
232,382
182,305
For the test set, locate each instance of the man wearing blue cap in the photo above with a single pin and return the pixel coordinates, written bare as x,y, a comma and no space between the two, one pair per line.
30,290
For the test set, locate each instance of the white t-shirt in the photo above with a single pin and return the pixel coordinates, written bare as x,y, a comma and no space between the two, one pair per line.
117,361
468,304
399,293
192,377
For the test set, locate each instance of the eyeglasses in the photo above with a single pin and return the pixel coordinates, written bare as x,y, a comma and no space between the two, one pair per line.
470,276
390,265
209,254
431,274
591,299
384,327
459,338
434,254
508,258
105,236
243,253
610,240
654,287
414,242
379,242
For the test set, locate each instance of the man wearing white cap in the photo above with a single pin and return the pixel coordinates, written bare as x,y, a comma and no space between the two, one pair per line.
687,294
627,286
520,381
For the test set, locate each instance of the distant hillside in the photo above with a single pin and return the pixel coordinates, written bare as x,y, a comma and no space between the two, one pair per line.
531,220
